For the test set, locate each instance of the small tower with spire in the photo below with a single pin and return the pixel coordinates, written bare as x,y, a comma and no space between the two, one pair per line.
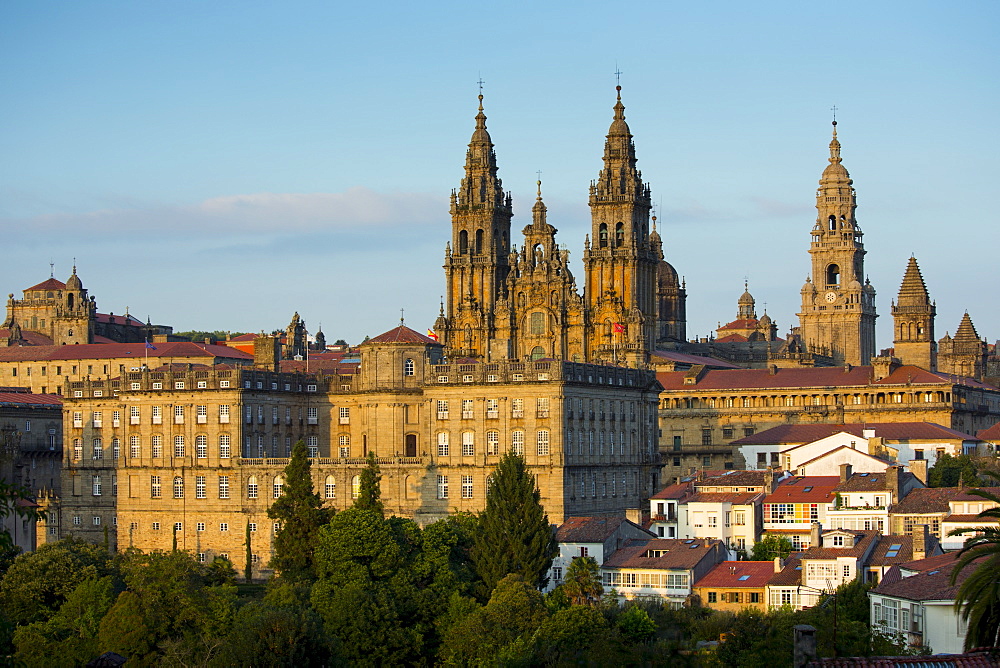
838,304
913,315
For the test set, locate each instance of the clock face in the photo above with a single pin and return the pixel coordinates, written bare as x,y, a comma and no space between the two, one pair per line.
831,297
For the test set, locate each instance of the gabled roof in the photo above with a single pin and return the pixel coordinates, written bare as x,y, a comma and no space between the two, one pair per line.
833,453
675,491
932,585
862,541
685,358
870,482
790,574
896,550
28,337
591,529
736,498
737,574
120,319
941,561
116,350
402,334
674,553
28,400
734,478
804,489
48,284
788,434
991,434
926,500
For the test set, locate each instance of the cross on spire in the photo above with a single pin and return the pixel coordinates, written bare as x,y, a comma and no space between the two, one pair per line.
400,317
52,269
480,83
618,75
834,110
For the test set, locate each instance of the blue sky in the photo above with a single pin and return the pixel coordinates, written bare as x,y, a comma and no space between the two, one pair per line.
221,165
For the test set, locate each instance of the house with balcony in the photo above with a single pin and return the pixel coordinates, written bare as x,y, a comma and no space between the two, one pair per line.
664,508
964,508
920,609
861,500
662,569
596,537
795,505
835,558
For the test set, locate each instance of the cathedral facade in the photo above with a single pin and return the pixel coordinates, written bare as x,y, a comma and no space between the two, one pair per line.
505,302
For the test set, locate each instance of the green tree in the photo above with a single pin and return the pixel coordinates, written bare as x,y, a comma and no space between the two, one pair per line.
635,625
978,597
583,581
771,546
370,493
514,533
301,513
951,471
37,583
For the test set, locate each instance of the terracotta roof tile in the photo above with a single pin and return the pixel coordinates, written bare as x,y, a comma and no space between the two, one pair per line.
736,574
115,350
48,284
807,433
674,553
863,540
735,478
804,489
738,498
402,334
869,482
675,491
991,434
939,561
903,553
685,358
27,399
926,500
974,659
790,574
589,529
931,585
30,338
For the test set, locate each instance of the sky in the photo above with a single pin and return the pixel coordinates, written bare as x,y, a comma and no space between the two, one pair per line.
222,165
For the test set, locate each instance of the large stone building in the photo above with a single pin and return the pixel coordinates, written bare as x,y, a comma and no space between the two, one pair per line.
195,453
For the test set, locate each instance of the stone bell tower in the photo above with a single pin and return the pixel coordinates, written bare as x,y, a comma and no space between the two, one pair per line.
619,259
838,311
913,321
476,259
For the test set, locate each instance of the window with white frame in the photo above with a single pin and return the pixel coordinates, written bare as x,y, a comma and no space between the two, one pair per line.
134,447
155,487
179,445
543,442
98,420
133,416
442,409
408,367
517,442
78,419
200,490
467,411
312,415
277,486
156,445
252,487
225,450
492,408
178,415
493,443
443,449
178,487
223,526
96,485
345,414
312,445
98,445
330,488
468,444
201,446
223,487
442,487
517,407
224,414
355,487
201,413
116,449
542,407
466,486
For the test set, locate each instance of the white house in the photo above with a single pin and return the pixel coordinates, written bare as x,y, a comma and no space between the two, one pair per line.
964,509
663,569
596,537
862,500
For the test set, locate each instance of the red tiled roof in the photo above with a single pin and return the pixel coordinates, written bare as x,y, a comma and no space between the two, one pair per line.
793,490
48,284
741,498
930,585
903,554
926,500
870,482
740,323
675,491
974,659
734,478
970,519
129,320
728,574
945,560
965,493
114,350
991,434
791,574
402,334
31,338
27,399
677,553
589,529
788,434
863,540
732,338
245,337
808,377
833,453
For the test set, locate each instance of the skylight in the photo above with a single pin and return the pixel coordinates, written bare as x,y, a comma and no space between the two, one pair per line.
744,577
808,489
896,546
862,475
892,553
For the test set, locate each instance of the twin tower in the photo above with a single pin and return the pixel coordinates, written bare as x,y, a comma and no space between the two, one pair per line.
505,302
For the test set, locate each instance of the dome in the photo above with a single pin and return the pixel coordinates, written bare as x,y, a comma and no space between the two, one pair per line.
808,287
854,285
74,282
746,298
765,320
666,275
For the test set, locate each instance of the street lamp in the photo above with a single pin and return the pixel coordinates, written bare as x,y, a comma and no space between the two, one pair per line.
830,596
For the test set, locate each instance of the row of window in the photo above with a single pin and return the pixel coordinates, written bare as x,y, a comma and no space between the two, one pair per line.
253,487
443,407
542,439
806,400
601,442
605,484
156,445
734,597
443,490
201,415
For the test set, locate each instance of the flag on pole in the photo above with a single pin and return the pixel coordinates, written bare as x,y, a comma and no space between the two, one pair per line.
149,345
618,328
431,334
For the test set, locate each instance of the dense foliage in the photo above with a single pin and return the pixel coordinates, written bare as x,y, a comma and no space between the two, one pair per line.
953,471
199,336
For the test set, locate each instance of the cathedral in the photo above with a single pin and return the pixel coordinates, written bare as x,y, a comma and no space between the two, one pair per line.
505,302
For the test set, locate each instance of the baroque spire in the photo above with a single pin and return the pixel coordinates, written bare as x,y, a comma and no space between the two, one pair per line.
619,180
913,290
481,186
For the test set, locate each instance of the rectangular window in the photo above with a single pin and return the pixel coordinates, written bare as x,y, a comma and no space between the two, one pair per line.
493,443
312,444
200,526
467,487
98,449
443,449
312,415
199,487
133,446
224,414
468,444
542,407
492,408
543,442
224,526
157,415
78,419
201,413
442,409
178,445
442,487
133,412
97,485
225,451
223,487
345,415
178,415
517,442
155,487
706,437
713,597
517,408
467,411
98,419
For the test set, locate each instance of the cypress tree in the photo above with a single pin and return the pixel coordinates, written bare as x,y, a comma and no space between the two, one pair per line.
514,533
248,568
370,494
301,513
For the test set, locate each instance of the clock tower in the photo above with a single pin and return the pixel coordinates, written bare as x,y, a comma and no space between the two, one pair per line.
838,303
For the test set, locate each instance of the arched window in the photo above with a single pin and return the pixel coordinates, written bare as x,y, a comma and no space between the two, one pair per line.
331,487
463,242
833,222
355,487
479,242
833,275
278,485
537,353
602,235
620,234
408,367
252,487
69,303
178,487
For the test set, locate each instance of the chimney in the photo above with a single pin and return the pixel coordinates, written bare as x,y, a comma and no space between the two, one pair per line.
918,467
772,369
634,515
893,476
779,563
845,472
769,480
815,533
804,647
921,537
267,353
